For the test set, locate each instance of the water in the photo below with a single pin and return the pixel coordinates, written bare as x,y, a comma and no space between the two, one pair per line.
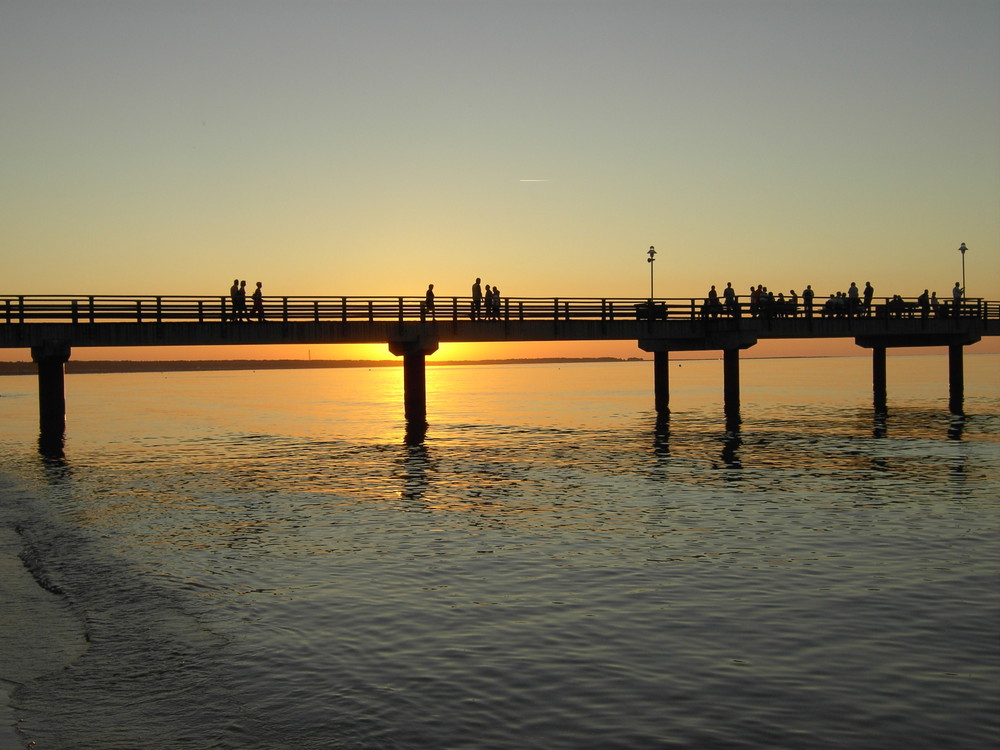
260,560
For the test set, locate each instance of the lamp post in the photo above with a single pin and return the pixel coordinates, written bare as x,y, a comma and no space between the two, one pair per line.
962,250
650,260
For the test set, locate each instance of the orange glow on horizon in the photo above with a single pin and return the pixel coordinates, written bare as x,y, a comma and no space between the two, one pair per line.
451,352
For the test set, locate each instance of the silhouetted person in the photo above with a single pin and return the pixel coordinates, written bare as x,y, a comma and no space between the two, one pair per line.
477,299
793,304
868,294
234,295
258,303
713,302
853,299
830,307
924,302
807,300
729,295
843,303
496,302
956,298
241,302
896,306
429,302
488,303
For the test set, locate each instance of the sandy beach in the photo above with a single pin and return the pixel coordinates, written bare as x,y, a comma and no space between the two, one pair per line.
39,633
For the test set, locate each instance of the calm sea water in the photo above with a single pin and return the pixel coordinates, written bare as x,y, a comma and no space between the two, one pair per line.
261,559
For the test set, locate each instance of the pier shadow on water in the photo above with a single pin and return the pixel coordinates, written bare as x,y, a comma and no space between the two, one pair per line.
52,445
416,432
731,443
415,461
731,439
883,424
415,465
52,452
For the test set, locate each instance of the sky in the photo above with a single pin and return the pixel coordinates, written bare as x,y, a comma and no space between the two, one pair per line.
373,147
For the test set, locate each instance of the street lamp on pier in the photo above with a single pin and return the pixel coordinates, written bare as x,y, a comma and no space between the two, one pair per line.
650,259
962,250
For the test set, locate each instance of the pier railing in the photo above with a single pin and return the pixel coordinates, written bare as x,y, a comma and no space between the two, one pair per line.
162,309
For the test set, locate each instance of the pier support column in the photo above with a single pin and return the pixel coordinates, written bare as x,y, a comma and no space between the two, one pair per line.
414,354
51,358
956,380
731,383
878,380
415,387
661,382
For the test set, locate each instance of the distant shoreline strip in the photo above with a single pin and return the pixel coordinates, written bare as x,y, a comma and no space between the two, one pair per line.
81,367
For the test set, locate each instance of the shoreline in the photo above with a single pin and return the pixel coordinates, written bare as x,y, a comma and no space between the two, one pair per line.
80,367
96,366
39,632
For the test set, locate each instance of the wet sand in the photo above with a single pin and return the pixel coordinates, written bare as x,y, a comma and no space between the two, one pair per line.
39,633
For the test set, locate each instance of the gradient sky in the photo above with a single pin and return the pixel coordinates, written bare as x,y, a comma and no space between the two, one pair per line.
369,148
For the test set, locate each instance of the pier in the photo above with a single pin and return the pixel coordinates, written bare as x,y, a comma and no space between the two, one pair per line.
52,326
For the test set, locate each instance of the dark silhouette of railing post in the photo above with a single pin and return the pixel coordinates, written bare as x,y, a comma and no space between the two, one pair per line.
51,358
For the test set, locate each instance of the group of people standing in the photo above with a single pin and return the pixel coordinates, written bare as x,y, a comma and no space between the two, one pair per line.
928,304
763,303
238,297
483,307
855,302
